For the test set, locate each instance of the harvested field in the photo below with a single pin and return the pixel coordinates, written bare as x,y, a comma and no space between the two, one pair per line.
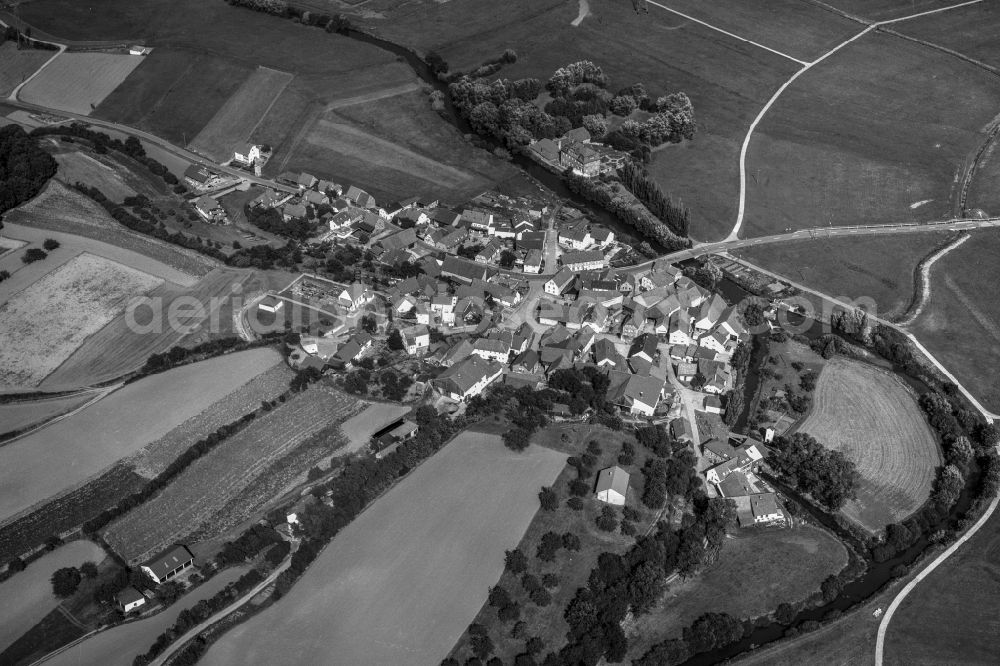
18,65
77,82
79,167
968,30
16,416
156,456
457,513
117,426
45,323
360,428
68,511
882,268
950,617
960,324
120,645
867,134
883,10
788,565
239,116
871,416
207,485
91,364
28,595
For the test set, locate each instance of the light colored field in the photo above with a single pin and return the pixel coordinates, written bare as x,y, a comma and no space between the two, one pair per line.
77,82
28,595
76,166
239,116
119,646
208,484
400,584
869,415
91,364
18,65
360,428
20,415
754,573
59,201
66,454
42,325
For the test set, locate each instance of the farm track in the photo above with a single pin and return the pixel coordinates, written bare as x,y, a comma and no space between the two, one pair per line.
922,285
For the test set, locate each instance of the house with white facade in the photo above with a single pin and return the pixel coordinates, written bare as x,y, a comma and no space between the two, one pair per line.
612,485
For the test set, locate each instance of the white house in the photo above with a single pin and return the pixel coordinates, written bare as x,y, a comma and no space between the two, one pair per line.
169,564
710,313
246,153
354,296
533,261
576,238
679,328
716,341
764,507
491,349
416,339
642,394
271,304
444,307
129,599
560,282
612,485
468,377
587,260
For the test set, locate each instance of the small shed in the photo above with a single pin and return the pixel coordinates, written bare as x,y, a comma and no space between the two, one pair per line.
612,485
129,599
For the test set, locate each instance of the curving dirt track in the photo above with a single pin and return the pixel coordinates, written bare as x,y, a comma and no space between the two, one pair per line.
872,417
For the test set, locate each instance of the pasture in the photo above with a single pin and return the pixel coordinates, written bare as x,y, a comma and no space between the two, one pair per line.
208,484
872,418
369,601
80,167
78,82
28,595
18,65
882,268
117,426
960,324
45,323
16,416
865,136
950,617
120,645
787,565
359,428
240,114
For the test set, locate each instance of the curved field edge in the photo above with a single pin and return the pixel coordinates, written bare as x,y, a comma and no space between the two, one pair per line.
873,418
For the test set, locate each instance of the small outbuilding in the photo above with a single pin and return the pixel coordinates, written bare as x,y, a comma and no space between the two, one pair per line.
129,599
612,485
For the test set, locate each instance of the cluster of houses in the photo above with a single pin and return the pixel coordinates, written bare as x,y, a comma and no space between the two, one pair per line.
734,463
575,151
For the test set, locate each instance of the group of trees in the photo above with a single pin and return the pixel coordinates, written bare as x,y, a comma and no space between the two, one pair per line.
276,7
271,220
502,111
613,196
829,476
659,204
24,167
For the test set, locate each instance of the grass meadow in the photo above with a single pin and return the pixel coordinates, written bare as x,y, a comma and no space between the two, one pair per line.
872,418
18,65
117,426
882,268
967,30
951,616
20,415
45,323
369,600
756,571
960,324
865,136
76,166
77,82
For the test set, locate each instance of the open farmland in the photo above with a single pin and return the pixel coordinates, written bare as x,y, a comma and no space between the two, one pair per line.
120,645
361,427
18,65
16,416
960,324
882,268
91,363
77,82
970,31
788,565
42,325
872,418
117,426
28,595
236,120
374,603
866,136
950,617
158,455
206,485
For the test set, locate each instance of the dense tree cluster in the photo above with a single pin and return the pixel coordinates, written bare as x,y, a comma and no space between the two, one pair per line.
276,7
65,581
614,197
271,220
665,478
503,110
24,167
827,475
659,204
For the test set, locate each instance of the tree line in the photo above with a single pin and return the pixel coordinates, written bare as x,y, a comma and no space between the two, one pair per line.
827,475
647,190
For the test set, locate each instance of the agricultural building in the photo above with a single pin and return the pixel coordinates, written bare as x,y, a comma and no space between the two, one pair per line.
271,304
129,599
612,485
584,260
246,153
169,564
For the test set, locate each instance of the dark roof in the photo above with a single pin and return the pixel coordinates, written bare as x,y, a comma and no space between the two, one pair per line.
169,560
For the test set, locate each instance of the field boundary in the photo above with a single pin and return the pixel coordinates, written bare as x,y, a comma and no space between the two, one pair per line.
922,284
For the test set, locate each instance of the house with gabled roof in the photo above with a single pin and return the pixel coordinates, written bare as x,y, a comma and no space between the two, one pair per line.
416,339
642,394
612,485
492,349
576,237
467,378
169,564
710,313
584,260
354,296
490,252
559,283
533,262
644,347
